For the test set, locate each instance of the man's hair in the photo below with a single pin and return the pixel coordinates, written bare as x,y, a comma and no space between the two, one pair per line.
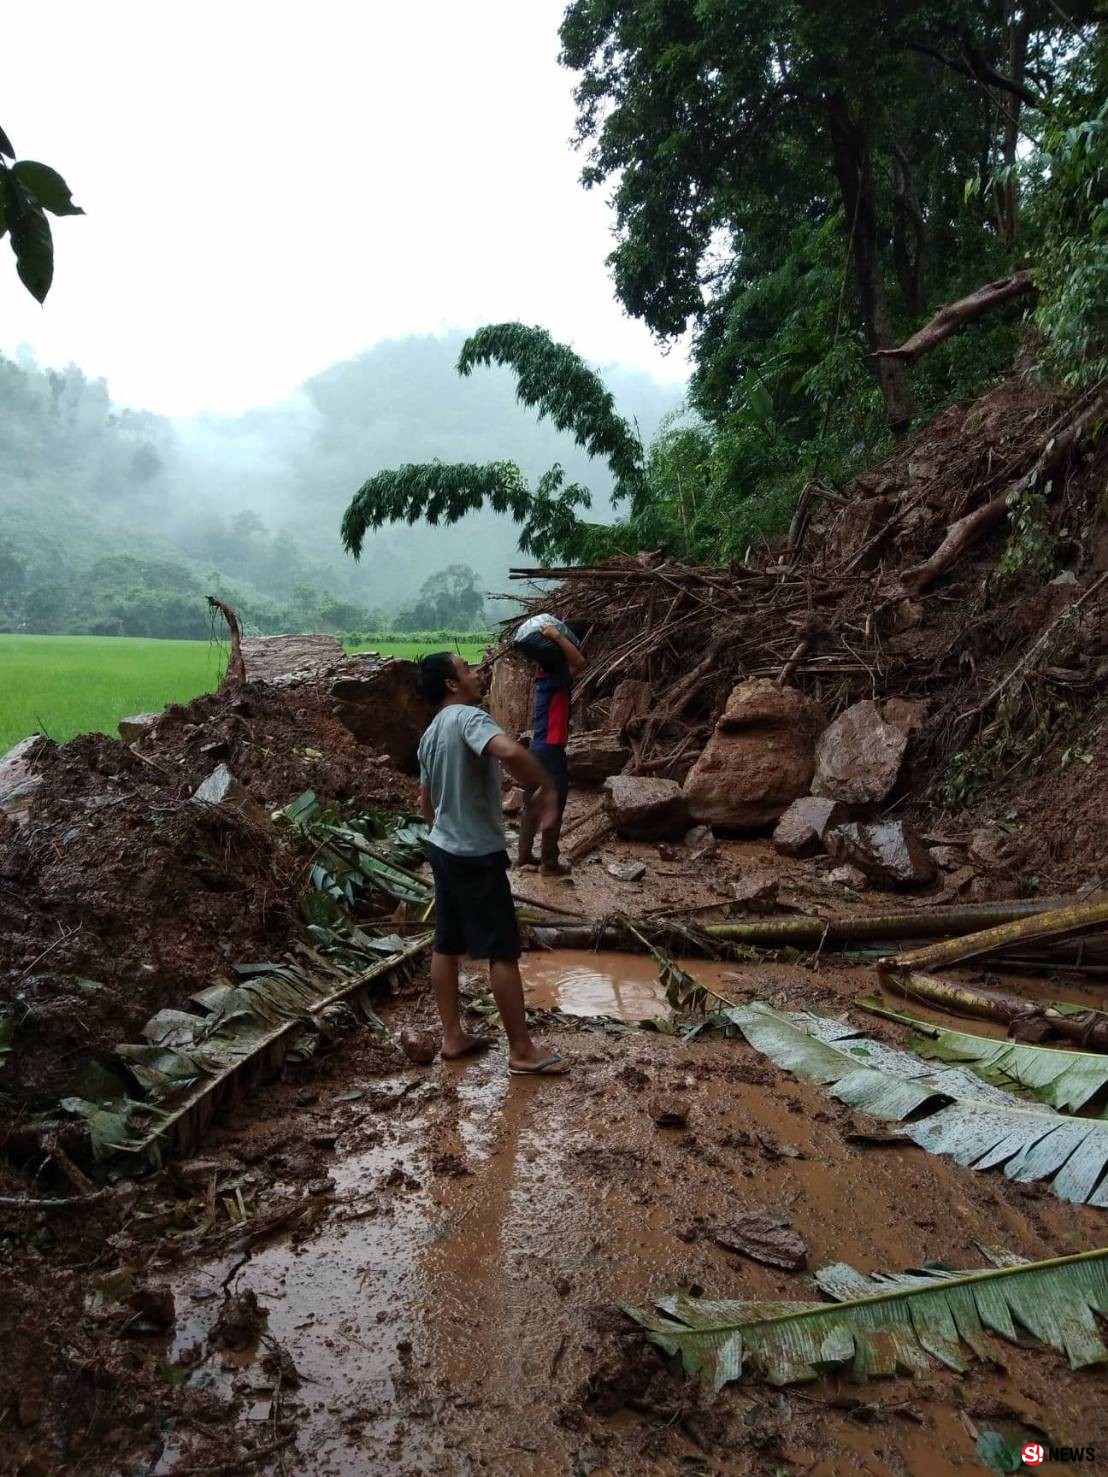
435,671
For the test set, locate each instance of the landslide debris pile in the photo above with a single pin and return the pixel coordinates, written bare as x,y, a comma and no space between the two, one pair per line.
904,585
122,893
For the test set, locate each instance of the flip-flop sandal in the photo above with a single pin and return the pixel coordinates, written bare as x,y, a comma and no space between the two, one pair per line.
479,1044
539,1069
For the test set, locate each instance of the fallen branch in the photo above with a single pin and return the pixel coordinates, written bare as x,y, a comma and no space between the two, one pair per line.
952,316
1057,923
64,1202
1028,1018
235,674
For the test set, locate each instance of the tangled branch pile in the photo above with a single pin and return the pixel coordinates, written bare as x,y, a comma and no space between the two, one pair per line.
852,606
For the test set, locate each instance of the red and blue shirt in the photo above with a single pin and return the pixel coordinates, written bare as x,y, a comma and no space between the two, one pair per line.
550,725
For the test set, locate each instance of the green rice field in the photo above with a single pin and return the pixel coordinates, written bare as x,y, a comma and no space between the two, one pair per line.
65,685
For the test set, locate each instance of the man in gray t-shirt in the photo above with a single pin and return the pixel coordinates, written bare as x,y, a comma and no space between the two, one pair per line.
459,776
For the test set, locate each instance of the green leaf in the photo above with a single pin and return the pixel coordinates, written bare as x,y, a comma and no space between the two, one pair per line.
3,203
32,243
903,1326
1065,1079
996,1453
47,187
6,145
969,1120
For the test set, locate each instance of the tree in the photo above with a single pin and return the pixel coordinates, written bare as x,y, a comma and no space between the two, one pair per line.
28,190
727,124
449,599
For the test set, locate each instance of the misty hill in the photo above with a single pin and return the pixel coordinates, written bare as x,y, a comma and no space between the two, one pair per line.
116,521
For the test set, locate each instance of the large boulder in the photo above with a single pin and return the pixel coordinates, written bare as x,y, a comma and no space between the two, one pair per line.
801,830
594,757
19,781
383,709
760,758
858,757
890,853
646,809
510,695
269,657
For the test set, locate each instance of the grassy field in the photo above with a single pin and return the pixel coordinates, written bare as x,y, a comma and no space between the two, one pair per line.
65,685
473,651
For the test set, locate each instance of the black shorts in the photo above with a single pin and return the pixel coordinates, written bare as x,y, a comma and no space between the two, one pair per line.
474,910
553,759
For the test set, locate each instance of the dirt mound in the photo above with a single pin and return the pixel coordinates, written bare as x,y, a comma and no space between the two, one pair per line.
892,587
121,895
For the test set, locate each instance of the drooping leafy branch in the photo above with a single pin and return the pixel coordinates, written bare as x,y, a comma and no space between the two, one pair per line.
555,381
443,492
27,191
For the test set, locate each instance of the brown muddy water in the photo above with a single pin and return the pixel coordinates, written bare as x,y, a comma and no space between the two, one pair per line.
455,1309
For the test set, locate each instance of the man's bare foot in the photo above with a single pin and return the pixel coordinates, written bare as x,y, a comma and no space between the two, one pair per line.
463,1044
529,864
538,1062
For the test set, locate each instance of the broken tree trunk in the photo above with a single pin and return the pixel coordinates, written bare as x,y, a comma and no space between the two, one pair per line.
1026,1018
1057,923
953,316
966,531
235,674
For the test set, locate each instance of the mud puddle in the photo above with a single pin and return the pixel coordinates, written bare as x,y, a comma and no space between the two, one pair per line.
624,987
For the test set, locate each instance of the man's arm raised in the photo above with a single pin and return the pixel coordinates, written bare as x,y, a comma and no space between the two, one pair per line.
524,768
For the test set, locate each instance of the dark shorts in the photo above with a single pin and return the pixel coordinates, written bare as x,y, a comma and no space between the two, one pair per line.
474,911
553,759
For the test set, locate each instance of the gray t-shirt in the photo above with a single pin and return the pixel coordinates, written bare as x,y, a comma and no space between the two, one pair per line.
464,781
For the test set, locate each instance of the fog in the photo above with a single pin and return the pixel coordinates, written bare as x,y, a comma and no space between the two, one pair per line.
252,503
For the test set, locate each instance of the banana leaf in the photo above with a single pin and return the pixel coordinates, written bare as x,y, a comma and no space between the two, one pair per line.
1067,1080
895,1325
970,1121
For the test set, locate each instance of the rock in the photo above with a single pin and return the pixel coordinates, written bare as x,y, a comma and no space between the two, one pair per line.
764,1238
858,757
670,1112
513,801
594,757
417,1048
633,698
154,1308
269,657
647,809
698,837
18,781
222,791
994,850
510,695
949,858
890,853
759,759
240,1322
801,830
907,714
382,708
137,726
757,892
628,872
847,876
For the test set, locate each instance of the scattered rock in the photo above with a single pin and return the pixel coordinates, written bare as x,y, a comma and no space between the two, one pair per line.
154,1308
764,1238
240,1322
994,850
418,1048
698,837
670,1112
847,876
759,759
633,698
594,756
757,892
513,801
858,757
628,871
890,853
907,714
949,858
137,726
647,809
222,791
801,830
18,781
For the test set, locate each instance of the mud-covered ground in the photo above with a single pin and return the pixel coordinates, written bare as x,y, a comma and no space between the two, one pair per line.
439,1255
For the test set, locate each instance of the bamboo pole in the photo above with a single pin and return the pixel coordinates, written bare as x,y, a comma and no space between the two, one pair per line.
1058,923
1089,1028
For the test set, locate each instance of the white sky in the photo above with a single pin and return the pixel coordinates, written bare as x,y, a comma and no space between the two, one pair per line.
272,187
